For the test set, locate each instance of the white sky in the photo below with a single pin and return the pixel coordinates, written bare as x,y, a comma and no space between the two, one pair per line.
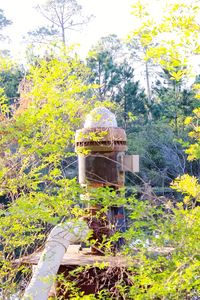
112,16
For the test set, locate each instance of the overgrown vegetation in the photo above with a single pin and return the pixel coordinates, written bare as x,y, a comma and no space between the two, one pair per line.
38,186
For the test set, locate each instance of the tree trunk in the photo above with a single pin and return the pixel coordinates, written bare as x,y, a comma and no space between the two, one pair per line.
125,113
63,35
149,96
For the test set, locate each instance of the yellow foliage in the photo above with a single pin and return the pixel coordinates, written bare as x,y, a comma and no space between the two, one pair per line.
170,37
189,186
188,120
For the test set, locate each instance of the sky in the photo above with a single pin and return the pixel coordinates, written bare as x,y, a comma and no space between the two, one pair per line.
111,16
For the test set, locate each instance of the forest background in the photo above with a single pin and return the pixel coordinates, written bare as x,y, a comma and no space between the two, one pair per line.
45,100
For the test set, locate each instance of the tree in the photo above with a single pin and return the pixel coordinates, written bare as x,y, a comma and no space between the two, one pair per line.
63,16
176,100
35,143
162,157
43,35
131,98
9,81
139,41
170,38
162,241
4,22
104,73
171,41
10,77
111,72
